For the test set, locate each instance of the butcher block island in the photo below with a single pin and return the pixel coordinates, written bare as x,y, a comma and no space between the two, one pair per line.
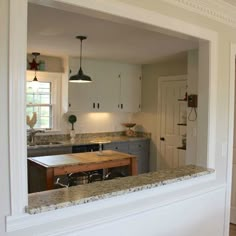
43,170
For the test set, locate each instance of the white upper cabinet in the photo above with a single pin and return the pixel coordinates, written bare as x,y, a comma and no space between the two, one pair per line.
130,88
80,95
114,87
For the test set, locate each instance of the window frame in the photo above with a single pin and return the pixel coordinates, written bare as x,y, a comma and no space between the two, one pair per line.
56,83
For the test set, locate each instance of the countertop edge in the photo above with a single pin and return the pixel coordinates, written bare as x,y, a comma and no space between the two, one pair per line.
153,184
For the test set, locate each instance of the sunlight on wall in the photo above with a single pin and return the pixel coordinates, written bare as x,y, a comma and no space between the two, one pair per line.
98,122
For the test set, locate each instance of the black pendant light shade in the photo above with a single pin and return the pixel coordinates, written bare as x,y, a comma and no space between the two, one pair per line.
80,77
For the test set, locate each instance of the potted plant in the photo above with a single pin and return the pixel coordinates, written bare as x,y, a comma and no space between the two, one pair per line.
72,119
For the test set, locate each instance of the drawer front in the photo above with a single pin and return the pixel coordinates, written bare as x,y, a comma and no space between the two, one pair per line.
120,147
136,146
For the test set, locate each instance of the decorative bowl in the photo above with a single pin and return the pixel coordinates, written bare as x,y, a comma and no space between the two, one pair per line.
129,125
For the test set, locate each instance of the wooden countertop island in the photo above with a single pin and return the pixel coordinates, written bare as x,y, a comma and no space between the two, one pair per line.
43,170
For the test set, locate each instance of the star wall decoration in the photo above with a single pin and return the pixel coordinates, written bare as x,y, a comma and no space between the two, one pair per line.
34,65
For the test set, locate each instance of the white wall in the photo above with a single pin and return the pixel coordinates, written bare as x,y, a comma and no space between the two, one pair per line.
52,63
96,122
147,119
191,152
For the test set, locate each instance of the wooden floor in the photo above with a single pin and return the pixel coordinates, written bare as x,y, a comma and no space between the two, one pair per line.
232,230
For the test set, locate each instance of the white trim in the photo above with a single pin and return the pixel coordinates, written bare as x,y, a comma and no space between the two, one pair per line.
212,103
230,136
217,10
160,80
106,210
17,124
17,64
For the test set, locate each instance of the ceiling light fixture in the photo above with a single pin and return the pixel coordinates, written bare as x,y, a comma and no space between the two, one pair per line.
80,77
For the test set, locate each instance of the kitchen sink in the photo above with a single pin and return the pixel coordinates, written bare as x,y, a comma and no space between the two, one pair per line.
45,143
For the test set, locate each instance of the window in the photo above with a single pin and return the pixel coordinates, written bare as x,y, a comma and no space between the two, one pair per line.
38,99
43,98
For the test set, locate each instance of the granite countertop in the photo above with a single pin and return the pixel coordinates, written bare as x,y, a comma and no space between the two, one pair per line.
60,198
90,140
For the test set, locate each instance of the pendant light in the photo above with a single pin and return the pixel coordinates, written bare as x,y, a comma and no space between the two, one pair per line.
80,77
34,65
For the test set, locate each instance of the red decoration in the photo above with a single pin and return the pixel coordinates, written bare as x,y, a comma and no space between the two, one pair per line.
34,65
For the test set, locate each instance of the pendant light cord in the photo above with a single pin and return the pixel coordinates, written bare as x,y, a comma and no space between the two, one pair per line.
81,40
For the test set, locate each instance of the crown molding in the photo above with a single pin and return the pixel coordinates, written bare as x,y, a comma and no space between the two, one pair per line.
217,10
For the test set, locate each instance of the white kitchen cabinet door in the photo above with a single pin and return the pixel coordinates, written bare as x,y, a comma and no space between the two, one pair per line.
130,92
115,87
106,89
80,95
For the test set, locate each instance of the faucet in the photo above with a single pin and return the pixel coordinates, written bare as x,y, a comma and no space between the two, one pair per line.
32,133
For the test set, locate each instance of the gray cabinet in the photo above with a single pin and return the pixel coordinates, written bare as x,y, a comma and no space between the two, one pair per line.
47,151
117,146
138,148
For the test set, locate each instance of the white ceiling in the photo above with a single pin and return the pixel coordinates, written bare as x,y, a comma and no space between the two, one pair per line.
52,32
233,2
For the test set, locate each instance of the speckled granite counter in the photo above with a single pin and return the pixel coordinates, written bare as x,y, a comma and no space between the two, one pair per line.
85,139
60,198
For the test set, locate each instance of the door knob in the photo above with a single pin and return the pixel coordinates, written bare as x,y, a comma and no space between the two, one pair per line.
162,138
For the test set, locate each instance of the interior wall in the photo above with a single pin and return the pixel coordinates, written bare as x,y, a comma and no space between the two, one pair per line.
147,119
96,122
51,63
192,121
93,122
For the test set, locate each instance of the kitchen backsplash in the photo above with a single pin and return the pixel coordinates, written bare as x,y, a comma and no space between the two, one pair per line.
96,122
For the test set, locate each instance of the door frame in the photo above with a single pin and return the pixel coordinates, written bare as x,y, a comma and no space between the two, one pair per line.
230,134
172,78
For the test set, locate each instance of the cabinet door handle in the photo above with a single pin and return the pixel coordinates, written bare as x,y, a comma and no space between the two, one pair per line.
162,138
98,105
93,105
69,105
121,105
118,105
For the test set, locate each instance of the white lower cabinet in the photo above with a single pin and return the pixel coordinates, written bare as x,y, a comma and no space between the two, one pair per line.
115,87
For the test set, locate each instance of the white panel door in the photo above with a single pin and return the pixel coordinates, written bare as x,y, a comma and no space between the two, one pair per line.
171,112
